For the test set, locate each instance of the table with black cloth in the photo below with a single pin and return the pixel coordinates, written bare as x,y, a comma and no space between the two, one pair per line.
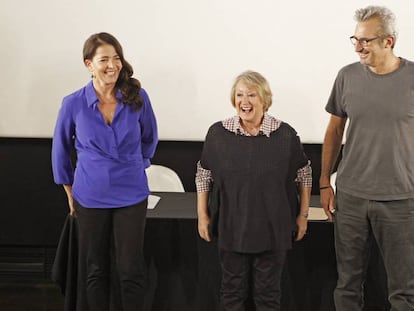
184,271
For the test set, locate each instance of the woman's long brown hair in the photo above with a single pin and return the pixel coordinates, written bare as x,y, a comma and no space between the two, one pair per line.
129,86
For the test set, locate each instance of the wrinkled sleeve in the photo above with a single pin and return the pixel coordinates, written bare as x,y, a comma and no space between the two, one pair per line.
62,146
203,179
204,175
300,162
149,130
304,175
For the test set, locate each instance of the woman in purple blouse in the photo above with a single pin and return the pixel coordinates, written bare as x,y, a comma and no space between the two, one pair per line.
111,125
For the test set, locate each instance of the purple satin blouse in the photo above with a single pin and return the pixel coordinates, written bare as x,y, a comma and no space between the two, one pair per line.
111,159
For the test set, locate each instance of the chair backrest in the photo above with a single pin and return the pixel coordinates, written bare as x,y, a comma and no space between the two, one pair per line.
163,179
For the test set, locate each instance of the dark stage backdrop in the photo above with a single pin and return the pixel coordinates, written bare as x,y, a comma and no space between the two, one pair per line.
34,208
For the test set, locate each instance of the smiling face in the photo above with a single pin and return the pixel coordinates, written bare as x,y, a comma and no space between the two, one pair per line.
105,65
374,54
248,104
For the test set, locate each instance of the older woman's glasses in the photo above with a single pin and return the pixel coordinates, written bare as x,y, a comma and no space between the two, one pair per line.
363,41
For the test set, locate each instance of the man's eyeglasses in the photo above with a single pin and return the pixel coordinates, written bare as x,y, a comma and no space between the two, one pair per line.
363,41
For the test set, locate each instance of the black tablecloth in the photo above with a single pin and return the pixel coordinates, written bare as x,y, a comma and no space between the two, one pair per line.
184,272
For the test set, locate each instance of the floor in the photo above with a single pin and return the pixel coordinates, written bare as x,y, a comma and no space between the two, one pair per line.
45,296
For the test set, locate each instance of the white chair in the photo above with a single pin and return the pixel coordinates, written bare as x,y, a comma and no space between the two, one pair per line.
163,179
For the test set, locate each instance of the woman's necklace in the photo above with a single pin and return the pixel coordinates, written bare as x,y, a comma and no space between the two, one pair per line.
252,130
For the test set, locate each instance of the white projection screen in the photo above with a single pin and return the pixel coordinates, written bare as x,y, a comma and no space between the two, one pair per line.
186,53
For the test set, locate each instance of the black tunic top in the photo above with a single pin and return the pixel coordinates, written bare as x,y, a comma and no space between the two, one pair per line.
255,181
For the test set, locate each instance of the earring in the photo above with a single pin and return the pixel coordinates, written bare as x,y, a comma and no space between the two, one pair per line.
92,75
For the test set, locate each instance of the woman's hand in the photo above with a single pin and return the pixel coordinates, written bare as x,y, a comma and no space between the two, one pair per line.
203,224
202,215
68,190
302,223
72,211
302,218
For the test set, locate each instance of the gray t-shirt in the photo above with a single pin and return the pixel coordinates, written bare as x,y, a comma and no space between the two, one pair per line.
378,156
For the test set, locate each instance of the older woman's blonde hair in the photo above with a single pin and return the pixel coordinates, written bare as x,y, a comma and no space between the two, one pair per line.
255,81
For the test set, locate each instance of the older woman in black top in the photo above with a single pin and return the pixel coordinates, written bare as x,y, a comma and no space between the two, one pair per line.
255,163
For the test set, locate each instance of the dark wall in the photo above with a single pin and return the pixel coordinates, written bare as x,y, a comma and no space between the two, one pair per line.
33,208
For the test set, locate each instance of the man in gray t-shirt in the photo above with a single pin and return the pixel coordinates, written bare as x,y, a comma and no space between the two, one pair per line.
375,180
